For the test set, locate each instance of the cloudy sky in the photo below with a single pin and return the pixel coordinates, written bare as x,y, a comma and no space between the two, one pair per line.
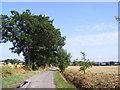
89,27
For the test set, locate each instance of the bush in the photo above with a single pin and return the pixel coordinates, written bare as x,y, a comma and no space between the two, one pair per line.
6,70
27,68
85,64
63,59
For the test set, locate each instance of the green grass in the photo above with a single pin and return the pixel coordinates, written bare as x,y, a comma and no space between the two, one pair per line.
60,82
14,79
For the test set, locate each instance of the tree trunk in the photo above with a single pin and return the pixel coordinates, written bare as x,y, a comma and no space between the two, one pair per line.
84,71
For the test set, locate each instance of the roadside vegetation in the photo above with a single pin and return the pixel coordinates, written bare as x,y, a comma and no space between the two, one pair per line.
11,77
60,82
13,80
95,77
88,76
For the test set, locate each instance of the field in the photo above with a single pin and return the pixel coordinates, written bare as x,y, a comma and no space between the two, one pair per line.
97,69
95,77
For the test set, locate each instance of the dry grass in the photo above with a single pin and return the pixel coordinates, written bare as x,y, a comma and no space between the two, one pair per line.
7,70
12,65
95,77
97,69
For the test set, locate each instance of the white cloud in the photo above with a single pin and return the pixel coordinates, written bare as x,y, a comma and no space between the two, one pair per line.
94,39
91,45
97,27
103,26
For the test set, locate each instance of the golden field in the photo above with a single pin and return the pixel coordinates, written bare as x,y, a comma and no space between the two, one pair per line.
97,69
95,77
12,65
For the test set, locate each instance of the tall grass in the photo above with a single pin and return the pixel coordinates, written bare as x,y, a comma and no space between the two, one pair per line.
12,80
60,82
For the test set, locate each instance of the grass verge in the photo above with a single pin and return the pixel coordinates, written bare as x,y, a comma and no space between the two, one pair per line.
60,82
12,80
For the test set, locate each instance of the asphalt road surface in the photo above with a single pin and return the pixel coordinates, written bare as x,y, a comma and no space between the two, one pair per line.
41,80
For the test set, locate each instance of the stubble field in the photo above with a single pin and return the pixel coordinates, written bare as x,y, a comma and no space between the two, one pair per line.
97,69
95,77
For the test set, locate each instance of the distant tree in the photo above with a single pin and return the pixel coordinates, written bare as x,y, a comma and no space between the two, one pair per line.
112,63
117,18
85,64
80,63
63,59
12,61
107,63
75,62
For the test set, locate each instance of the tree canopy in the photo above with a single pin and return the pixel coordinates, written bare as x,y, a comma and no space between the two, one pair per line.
33,35
63,59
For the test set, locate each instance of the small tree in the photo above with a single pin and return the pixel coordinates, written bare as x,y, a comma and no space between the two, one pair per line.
85,64
75,62
63,59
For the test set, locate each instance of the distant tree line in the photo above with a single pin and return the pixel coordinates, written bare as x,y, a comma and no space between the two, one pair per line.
12,61
110,63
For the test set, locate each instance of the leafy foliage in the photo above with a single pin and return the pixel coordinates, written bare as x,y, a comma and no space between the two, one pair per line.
33,35
75,62
85,64
12,61
63,59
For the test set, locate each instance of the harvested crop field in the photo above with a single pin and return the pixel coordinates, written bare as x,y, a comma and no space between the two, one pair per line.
95,77
97,69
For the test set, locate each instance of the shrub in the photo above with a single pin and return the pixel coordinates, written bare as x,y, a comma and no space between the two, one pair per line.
85,64
63,59
6,70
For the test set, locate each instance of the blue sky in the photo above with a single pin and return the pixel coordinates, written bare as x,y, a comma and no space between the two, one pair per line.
88,26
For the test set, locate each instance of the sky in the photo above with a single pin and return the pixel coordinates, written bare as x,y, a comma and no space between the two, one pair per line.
89,27
60,0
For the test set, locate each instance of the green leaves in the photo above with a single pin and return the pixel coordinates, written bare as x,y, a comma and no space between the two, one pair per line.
85,64
63,59
33,35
